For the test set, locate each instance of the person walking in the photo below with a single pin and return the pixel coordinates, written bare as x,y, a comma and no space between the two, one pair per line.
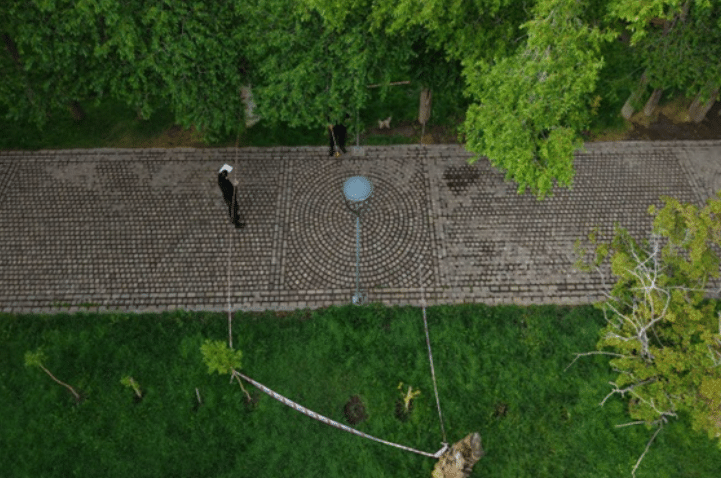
336,136
230,195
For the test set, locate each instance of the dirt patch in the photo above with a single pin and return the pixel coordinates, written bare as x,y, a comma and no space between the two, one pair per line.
434,134
403,413
669,122
173,137
176,137
354,410
500,410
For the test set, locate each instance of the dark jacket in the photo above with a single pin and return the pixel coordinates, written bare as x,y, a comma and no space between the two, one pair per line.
339,131
226,186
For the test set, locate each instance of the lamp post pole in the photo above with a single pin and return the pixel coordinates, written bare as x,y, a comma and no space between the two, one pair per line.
357,191
357,295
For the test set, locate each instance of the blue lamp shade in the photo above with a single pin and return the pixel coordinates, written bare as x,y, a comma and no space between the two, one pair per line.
357,189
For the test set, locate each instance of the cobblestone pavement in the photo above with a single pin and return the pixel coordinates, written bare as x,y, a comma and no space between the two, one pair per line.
147,230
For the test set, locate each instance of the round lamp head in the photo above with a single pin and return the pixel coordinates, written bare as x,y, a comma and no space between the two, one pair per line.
357,189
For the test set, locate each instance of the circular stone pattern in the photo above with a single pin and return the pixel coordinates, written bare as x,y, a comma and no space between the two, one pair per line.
394,231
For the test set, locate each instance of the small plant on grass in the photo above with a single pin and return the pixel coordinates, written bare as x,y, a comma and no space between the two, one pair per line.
408,396
129,382
222,359
405,405
35,359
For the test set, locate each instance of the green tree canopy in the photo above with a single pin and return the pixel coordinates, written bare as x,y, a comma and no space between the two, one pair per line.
219,357
530,68
665,336
686,55
196,56
531,106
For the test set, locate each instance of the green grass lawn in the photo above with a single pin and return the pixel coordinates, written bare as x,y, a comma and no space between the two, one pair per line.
500,371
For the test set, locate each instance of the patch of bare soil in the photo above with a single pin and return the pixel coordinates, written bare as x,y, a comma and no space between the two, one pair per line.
434,134
173,137
669,122
354,410
674,124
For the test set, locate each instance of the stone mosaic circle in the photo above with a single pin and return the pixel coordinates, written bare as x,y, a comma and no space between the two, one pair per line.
321,238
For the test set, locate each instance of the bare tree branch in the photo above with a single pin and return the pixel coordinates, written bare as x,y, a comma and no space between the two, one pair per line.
72,390
639,422
237,377
596,353
627,389
633,472
652,405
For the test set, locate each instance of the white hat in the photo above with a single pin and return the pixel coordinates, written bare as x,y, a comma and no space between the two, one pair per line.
225,168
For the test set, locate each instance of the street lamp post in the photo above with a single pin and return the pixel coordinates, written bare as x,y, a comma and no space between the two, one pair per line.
357,191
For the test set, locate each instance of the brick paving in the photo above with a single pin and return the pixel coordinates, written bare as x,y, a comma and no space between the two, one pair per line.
141,230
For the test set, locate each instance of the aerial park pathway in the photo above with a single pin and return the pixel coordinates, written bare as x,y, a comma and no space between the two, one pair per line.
146,230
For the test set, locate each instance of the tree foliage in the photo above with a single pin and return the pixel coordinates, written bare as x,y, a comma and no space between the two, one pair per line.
53,62
478,29
222,359
683,53
531,105
530,67
639,13
219,357
663,333
34,359
196,56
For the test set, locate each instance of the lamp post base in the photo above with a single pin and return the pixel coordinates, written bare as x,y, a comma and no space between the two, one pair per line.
359,298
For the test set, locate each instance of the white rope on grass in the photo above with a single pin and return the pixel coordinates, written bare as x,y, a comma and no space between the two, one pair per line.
330,422
340,426
430,354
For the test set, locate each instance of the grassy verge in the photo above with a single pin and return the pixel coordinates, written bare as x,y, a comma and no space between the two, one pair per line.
500,371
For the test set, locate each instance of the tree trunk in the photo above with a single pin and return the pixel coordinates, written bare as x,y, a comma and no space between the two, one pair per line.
76,110
13,51
459,460
684,12
424,111
697,111
628,108
72,390
652,102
